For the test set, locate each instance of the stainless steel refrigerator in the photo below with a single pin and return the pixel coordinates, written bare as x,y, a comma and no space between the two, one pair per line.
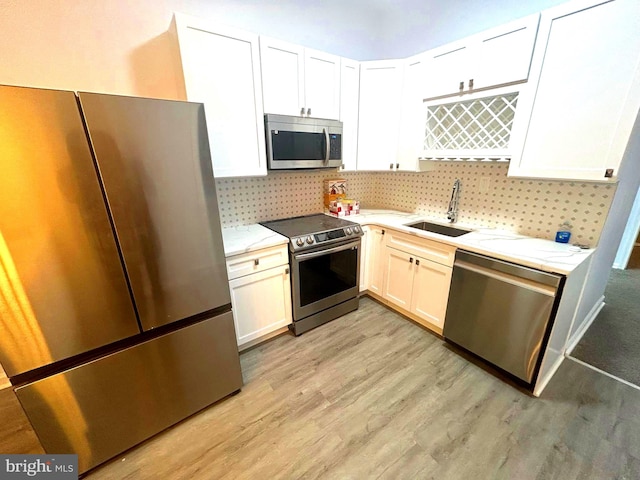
115,314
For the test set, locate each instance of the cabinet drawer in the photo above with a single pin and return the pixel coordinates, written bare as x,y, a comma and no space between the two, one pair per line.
258,261
428,249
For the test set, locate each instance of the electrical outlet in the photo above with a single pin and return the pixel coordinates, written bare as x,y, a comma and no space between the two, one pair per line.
484,184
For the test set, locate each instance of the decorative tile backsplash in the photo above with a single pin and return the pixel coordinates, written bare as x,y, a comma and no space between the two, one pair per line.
487,198
282,194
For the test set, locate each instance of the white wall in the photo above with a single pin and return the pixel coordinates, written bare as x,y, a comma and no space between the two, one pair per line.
613,229
413,26
122,46
629,236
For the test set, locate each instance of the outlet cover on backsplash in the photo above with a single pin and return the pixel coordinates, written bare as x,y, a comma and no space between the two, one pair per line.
527,206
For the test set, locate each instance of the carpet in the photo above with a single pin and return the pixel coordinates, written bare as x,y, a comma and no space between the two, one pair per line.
612,342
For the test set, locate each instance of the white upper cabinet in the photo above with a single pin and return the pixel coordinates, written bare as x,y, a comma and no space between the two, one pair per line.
584,92
322,84
451,63
502,55
492,58
380,110
282,76
299,81
349,95
412,120
221,68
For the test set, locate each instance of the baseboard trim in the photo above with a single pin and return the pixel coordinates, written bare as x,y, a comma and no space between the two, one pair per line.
621,380
263,339
591,316
541,385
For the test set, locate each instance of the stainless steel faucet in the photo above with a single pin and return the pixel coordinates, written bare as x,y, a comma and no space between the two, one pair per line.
452,212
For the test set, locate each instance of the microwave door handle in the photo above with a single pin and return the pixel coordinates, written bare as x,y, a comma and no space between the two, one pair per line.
327,148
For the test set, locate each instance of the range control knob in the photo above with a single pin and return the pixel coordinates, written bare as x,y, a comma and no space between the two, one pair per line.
348,230
299,241
356,229
309,239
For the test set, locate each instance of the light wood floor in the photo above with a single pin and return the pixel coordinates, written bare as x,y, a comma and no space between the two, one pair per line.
372,395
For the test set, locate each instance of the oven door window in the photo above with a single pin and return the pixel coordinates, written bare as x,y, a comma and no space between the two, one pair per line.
327,275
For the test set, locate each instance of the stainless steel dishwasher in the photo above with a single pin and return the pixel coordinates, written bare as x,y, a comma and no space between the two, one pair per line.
501,311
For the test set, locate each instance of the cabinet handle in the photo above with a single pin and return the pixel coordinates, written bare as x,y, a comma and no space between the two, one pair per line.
461,86
397,166
382,231
471,84
391,166
410,259
286,271
608,173
417,262
256,262
308,112
302,112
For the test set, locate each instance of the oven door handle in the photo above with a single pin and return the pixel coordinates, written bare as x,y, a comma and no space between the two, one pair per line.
307,256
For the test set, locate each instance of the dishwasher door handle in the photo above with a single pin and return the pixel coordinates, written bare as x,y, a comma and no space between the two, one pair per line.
505,277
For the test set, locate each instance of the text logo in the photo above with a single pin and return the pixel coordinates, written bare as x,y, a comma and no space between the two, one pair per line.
51,467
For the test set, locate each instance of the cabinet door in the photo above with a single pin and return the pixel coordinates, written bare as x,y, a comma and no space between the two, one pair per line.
322,84
503,55
451,64
584,92
376,265
364,264
412,122
282,76
261,303
399,277
430,291
221,68
349,93
379,118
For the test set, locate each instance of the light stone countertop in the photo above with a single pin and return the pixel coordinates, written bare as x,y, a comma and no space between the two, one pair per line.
532,252
249,238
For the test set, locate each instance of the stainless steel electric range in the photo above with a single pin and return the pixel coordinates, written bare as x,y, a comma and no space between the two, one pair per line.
324,256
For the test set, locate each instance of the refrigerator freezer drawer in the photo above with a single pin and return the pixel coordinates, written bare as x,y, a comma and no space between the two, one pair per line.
102,408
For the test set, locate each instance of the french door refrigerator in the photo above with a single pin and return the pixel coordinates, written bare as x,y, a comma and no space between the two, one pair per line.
115,313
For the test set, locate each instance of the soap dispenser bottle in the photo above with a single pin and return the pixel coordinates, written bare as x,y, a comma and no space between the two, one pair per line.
564,232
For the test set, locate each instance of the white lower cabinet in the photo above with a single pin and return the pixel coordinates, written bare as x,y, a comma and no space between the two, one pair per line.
418,286
374,274
399,276
261,299
364,258
417,277
430,293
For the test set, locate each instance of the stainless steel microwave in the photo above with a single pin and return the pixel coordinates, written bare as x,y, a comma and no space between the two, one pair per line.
302,142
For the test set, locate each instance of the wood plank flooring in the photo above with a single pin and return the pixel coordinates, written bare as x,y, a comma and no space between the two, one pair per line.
16,434
372,395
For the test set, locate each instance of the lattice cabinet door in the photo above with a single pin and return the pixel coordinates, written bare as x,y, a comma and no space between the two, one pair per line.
476,128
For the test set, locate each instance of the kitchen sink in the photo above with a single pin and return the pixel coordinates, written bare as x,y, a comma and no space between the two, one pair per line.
437,228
